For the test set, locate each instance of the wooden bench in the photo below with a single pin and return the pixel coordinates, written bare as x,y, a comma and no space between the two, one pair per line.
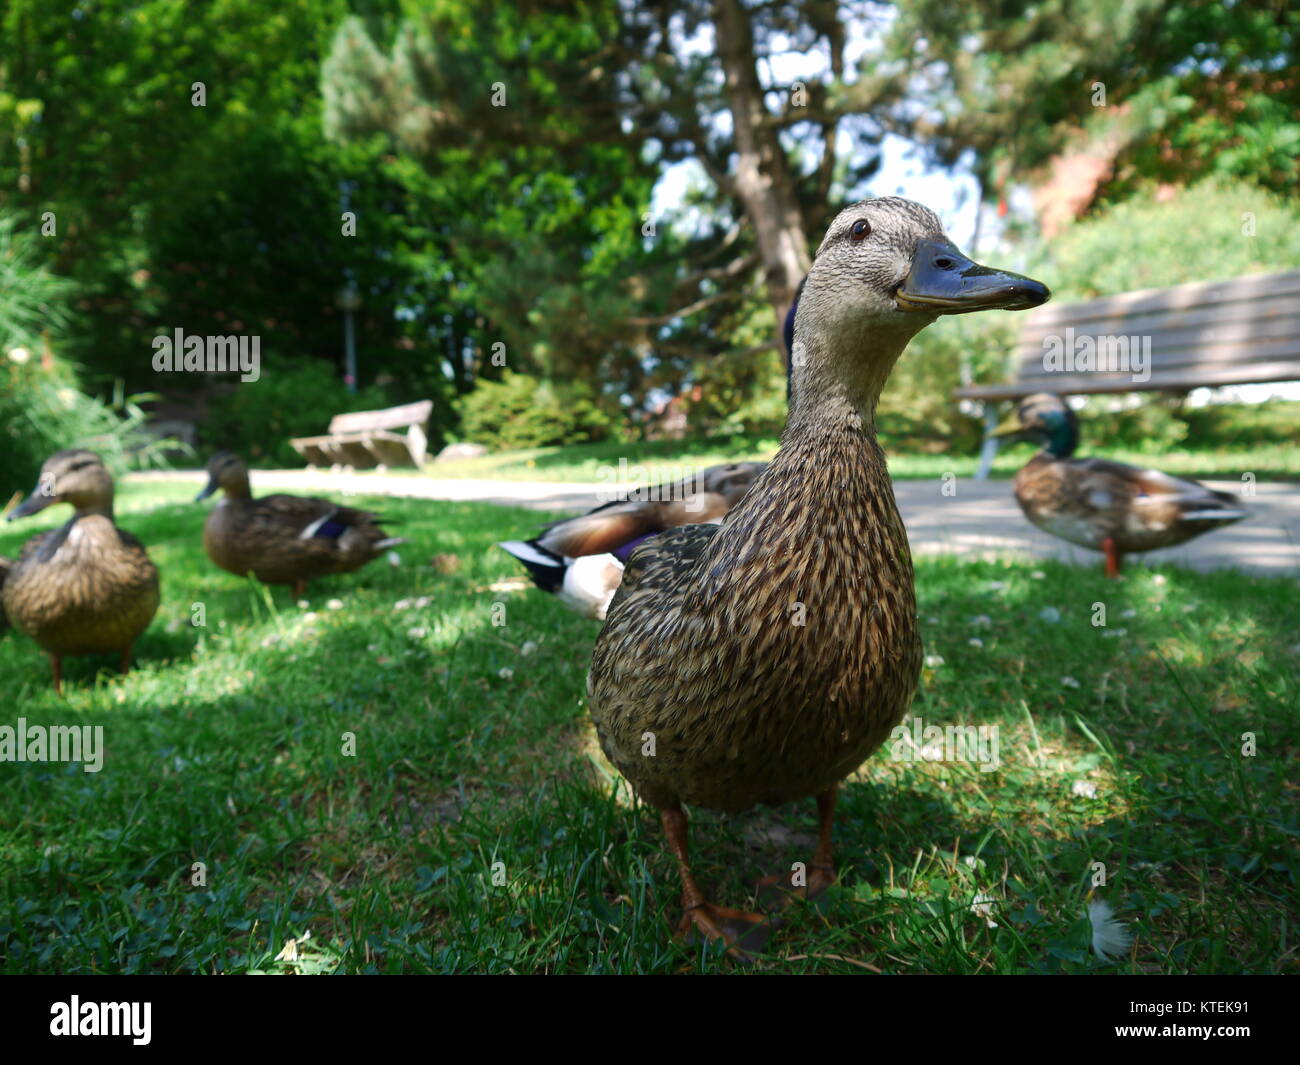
1205,334
370,438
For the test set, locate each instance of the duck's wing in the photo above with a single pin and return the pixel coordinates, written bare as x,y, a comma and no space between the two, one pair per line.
657,571
1147,489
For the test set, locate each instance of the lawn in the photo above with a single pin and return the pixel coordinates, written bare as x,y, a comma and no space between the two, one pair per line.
476,828
672,459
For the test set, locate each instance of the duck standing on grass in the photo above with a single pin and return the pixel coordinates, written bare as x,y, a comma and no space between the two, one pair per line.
284,539
763,659
580,560
1102,505
86,587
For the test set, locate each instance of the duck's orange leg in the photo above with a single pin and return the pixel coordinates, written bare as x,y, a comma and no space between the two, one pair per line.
737,928
126,659
821,871
299,590
1113,557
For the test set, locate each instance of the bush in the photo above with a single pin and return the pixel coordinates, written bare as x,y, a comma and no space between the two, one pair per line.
522,411
291,398
41,408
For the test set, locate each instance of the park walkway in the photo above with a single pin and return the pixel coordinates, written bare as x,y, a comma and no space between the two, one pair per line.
980,519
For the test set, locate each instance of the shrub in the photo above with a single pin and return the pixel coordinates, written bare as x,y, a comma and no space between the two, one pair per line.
522,411
291,398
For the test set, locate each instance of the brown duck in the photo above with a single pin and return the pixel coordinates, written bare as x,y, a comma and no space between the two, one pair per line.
763,659
1103,505
284,539
580,560
86,587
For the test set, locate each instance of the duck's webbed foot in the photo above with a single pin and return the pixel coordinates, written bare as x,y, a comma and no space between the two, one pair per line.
805,882
742,931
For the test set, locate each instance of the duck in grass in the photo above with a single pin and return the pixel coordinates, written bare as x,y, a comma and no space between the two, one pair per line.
763,659
284,539
86,587
1102,505
580,560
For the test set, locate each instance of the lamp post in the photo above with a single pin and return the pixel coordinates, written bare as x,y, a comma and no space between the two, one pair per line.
348,299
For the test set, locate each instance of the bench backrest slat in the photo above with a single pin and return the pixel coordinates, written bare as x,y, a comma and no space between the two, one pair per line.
1241,331
403,417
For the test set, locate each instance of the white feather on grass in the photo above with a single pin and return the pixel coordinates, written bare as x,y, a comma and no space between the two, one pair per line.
1110,938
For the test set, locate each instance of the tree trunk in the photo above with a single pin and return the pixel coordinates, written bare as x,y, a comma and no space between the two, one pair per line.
762,176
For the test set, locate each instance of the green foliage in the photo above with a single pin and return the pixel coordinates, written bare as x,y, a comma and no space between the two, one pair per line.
41,407
1208,232
293,397
522,411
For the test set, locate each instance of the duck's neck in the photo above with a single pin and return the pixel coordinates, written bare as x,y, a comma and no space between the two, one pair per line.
238,491
1062,441
102,507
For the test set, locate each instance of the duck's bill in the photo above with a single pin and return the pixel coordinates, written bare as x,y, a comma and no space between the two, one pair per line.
211,487
33,504
944,281
1009,427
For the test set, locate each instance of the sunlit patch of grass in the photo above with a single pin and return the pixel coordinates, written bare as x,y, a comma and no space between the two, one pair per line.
436,801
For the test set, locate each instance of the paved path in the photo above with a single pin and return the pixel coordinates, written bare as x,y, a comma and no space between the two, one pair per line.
981,519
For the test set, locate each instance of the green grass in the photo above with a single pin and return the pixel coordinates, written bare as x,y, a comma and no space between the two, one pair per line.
671,459
473,747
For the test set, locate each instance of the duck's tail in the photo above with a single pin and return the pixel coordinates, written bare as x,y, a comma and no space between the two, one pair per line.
545,567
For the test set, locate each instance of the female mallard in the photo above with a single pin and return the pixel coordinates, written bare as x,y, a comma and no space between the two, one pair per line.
283,539
86,587
763,659
581,560
1103,505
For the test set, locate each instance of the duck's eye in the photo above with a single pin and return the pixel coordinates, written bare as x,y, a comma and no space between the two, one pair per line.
861,230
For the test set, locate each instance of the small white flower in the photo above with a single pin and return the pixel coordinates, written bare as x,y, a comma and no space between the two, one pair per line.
1084,789
505,673
1189,608
309,617
975,641
1111,634
394,559
417,633
1038,575
1069,682
303,604
997,586
981,621
422,602
271,640
982,906
19,355
1129,613
1049,613
528,648
1159,578
402,604
1110,938
934,661
335,604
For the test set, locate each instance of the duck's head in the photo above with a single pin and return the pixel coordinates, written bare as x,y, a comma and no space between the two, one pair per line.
74,476
885,271
226,471
1043,418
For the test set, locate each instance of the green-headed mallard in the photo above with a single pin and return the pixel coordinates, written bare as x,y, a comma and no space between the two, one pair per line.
763,659
580,560
284,539
86,587
1103,505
